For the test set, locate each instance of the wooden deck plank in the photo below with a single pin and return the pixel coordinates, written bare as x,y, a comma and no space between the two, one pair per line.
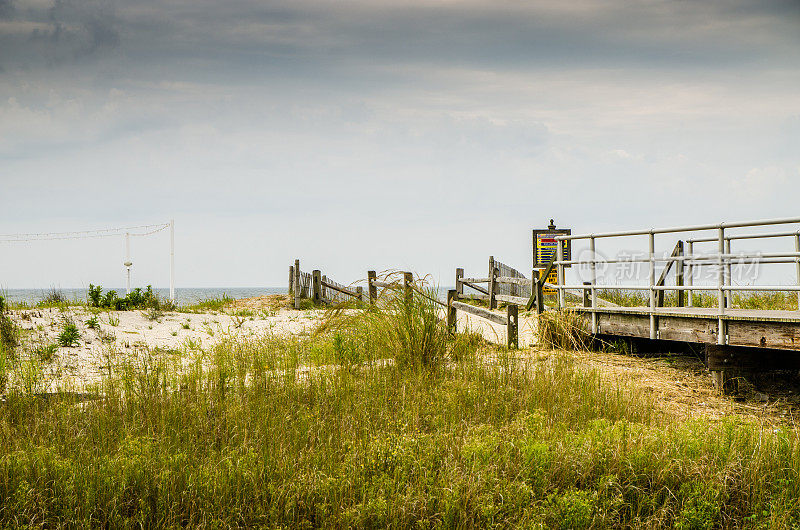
756,315
745,327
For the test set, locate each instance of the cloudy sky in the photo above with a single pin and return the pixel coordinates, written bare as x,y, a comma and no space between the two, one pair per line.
419,135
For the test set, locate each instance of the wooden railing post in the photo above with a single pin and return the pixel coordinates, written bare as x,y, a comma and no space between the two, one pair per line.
408,280
679,275
316,283
360,293
459,286
513,326
371,287
452,294
297,290
587,298
492,300
291,279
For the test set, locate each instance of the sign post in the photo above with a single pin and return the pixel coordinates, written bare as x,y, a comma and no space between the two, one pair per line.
544,251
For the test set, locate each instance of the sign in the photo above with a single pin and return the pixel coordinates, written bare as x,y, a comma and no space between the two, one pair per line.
545,245
552,278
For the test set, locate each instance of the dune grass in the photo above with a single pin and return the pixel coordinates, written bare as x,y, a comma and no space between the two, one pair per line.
743,300
252,434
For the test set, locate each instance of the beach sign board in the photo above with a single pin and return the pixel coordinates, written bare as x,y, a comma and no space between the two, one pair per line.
545,245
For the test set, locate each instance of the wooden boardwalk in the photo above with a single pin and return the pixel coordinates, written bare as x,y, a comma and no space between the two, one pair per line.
744,327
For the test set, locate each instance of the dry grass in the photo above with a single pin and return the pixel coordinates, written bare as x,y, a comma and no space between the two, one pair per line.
563,330
271,302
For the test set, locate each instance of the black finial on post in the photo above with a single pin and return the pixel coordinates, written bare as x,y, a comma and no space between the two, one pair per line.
552,225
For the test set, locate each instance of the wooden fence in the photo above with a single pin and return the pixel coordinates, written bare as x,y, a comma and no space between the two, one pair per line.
323,290
319,288
503,284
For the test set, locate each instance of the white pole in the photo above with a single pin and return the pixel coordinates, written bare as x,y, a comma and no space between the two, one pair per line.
128,262
172,259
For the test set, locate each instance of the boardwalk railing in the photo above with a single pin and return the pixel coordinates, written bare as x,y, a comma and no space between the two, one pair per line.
722,261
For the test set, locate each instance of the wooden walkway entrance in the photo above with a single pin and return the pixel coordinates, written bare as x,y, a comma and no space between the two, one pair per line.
733,336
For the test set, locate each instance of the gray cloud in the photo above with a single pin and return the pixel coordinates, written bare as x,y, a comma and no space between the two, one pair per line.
6,9
418,125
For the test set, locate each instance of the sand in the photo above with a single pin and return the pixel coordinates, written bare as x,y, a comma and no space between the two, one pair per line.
132,332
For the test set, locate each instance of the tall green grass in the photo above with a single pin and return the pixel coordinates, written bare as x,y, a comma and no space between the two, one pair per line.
743,300
248,435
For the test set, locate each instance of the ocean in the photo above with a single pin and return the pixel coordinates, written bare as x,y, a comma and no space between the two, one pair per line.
183,295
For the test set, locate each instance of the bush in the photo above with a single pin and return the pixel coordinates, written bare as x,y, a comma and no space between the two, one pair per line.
9,335
70,335
136,299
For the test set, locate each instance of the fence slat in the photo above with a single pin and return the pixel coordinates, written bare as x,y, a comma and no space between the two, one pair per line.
481,312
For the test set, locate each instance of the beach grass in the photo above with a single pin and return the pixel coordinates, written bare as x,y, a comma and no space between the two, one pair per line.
785,300
380,419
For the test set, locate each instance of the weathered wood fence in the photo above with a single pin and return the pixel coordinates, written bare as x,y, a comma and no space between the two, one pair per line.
321,289
316,286
503,284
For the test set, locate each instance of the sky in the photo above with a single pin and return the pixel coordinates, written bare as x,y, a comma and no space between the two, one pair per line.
368,134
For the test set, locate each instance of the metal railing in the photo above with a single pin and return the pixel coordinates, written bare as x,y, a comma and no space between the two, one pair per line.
723,260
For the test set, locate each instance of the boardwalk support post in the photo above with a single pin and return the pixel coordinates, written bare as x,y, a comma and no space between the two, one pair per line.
360,293
459,286
722,363
291,280
587,297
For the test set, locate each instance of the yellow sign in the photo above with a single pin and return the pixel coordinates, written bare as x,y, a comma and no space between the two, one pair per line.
545,246
552,278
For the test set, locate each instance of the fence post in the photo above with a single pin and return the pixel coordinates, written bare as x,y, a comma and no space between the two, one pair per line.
297,290
371,287
408,280
452,294
492,301
360,293
291,279
316,283
513,326
587,299
459,286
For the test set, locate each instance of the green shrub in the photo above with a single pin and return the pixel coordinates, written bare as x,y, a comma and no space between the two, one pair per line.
9,334
70,335
92,323
136,299
95,295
